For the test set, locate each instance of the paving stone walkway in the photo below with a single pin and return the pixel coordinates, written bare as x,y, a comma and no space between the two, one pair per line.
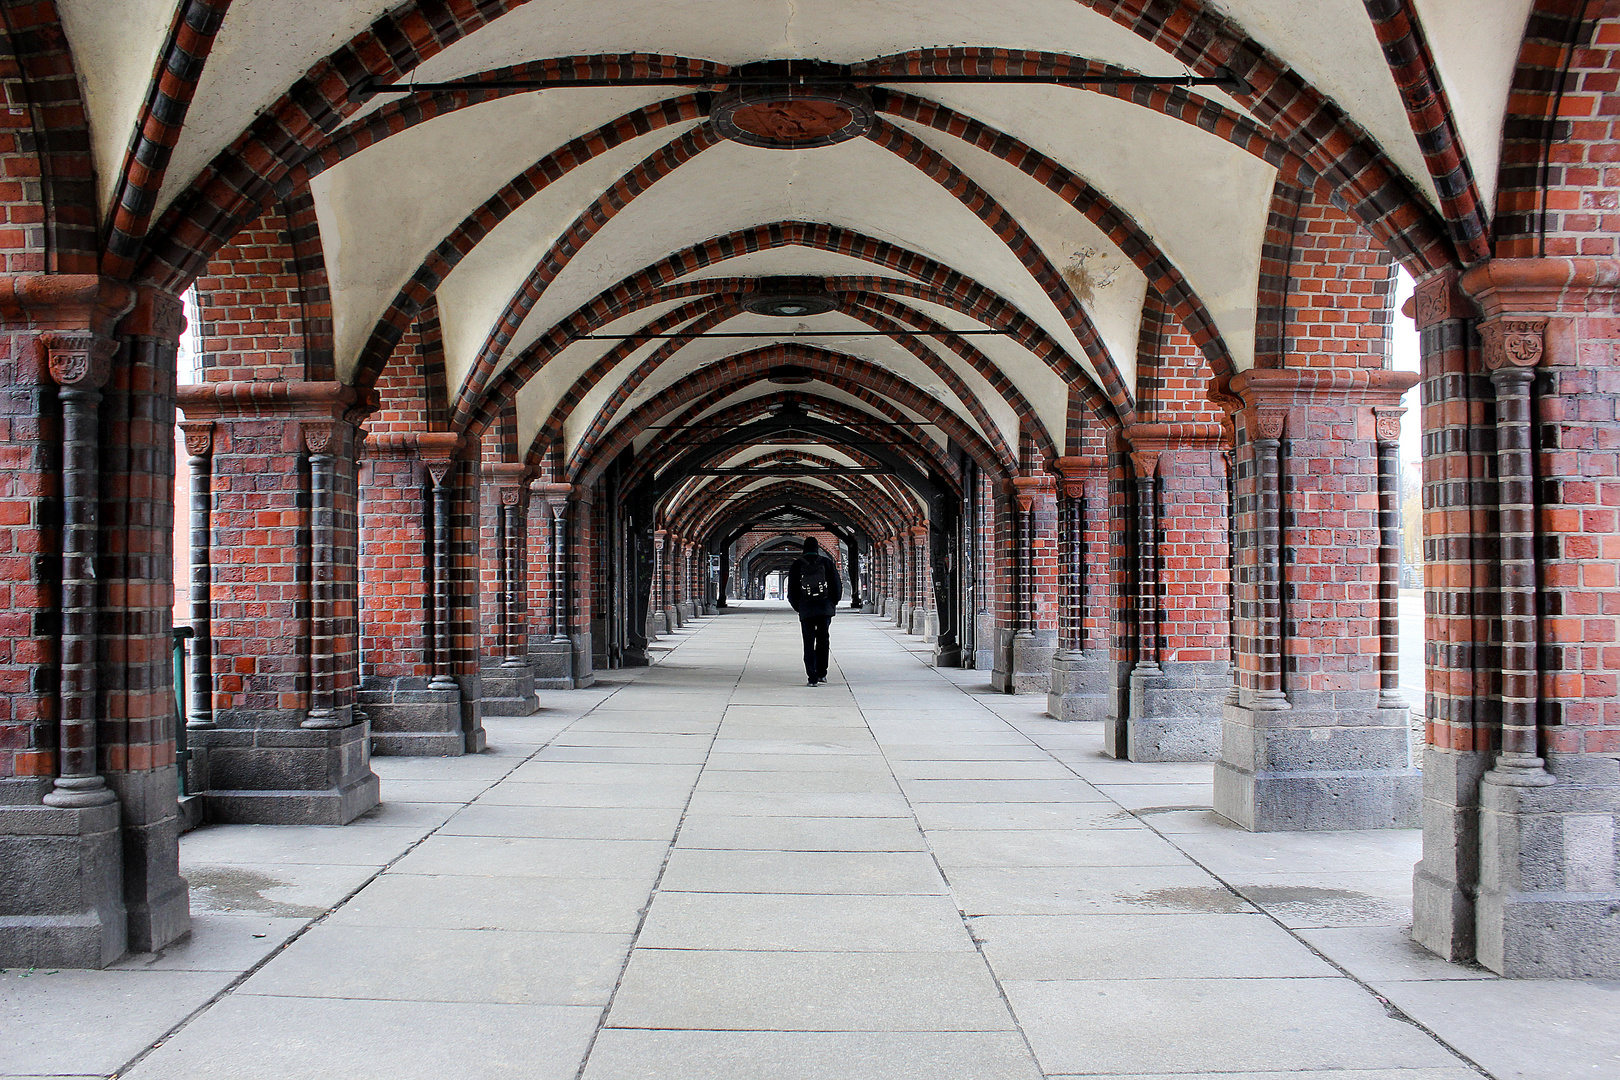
705,870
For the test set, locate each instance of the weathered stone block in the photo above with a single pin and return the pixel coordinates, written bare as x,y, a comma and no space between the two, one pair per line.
1078,688
62,892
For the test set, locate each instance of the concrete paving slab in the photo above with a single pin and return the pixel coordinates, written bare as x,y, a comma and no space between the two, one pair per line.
708,870
566,822
624,1054
466,767
1237,852
1029,847
464,902
794,922
247,1037
300,891
648,723
271,845
808,991
66,1022
800,781
1153,796
1366,898
821,746
397,814
790,764
1001,791
433,791
507,856
1385,954
1186,945
514,967
652,796
924,751
1090,890
1459,1072
1172,821
1521,1029
229,943
596,737
1219,1025
629,755
579,772
1024,815
981,770
1106,770
800,834
854,804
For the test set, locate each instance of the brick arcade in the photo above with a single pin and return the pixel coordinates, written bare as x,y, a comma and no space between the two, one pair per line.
445,447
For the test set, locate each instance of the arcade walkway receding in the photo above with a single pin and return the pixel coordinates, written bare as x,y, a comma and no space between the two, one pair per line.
705,869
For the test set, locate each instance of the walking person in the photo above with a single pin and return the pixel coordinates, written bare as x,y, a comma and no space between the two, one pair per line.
814,589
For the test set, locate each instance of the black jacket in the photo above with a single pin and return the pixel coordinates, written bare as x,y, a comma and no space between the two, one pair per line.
826,606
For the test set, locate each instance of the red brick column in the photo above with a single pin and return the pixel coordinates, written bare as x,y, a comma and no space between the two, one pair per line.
505,677
1311,743
399,615
87,770
921,582
1549,806
288,745
1079,679
1025,645
1182,672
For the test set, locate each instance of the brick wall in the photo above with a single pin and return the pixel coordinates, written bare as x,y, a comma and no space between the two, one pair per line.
30,442
250,306
1194,621
395,567
1561,150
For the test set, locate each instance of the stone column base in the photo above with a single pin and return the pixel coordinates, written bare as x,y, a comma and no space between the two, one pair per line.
553,664
409,720
157,900
686,611
1309,769
1078,689
869,608
1175,712
902,617
1443,883
948,655
657,625
584,672
1548,883
930,628
288,775
1023,662
62,893
509,691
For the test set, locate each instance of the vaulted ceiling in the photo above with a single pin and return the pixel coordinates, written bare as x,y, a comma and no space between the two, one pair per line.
1048,212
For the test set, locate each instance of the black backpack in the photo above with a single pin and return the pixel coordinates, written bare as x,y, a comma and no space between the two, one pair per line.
813,580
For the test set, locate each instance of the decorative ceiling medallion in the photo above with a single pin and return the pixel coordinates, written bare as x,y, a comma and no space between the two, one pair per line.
789,298
792,116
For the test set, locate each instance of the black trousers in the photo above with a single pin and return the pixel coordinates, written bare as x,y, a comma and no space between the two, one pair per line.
814,629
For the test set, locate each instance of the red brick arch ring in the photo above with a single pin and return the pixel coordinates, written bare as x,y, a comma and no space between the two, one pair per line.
232,190
931,282
712,315
885,393
892,489
920,452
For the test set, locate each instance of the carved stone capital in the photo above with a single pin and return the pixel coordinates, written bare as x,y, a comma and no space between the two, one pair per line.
1074,472
1146,463
1025,488
1514,341
1270,421
1436,300
157,315
78,359
199,436
318,437
510,496
437,471
1388,423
